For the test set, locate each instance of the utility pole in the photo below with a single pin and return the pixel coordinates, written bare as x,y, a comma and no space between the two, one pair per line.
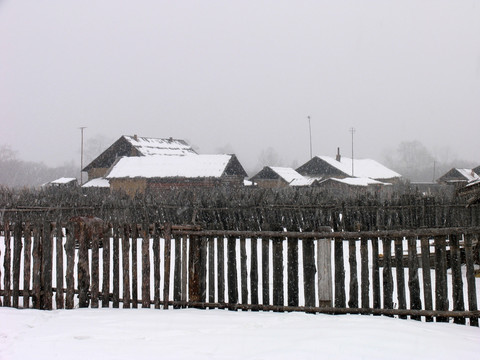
352,131
81,155
310,130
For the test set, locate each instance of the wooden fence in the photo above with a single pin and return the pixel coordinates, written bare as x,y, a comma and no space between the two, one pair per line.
422,274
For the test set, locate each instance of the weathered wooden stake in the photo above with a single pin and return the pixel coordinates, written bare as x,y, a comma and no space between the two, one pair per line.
426,275
69,275
27,273
59,299
472,293
400,272
166,264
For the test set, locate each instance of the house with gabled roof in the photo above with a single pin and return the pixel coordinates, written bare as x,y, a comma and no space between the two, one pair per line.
149,173
274,177
136,146
458,176
342,167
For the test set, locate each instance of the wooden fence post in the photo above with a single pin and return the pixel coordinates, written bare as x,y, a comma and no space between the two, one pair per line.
7,260
194,270
324,265
309,271
352,260
116,266
126,265
265,271
387,274
95,285
69,276
27,273
243,270
156,267
37,265
83,267
375,274
340,300
254,271
145,266
106,235
221,269
232,271
17,252
400,274
472,294
177,273
441,291
292,272
47,255
365,284
135,236
59,299
413,282
166,264
426,275
457,283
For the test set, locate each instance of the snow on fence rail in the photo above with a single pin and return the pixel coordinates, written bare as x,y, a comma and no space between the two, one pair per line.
425,273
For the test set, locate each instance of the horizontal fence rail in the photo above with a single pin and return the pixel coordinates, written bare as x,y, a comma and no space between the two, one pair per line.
422,274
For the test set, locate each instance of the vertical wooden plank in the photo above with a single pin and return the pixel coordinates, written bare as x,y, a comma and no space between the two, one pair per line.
413,282
375,274
457,283
340,300
324,264
145,266
426,276
69,275
83,267
95,287
352,260
135,268
194,270
387,274
156,269
7,261
265,271
185,241
47,267
292,271
1,303
126,266
309,271
232,271
203,269
166,264
243,270
400,272
472,292
177,272
365,276
27,261
106,238
37,265
441,291
59,299
116,266
211,270
17,252
278,298
254,272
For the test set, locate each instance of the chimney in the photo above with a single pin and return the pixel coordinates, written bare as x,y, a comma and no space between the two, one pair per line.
339,157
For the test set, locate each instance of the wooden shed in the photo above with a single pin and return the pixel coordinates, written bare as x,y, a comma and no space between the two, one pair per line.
459,177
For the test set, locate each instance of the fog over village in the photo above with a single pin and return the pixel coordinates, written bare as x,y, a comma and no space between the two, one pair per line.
287,179
242,78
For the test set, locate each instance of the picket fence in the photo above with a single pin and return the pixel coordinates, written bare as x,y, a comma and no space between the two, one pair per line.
423,274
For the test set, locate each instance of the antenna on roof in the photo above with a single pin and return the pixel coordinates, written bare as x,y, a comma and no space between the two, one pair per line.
310,131
81,155
352,131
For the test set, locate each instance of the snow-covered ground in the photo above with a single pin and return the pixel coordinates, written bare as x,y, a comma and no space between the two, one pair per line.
221,334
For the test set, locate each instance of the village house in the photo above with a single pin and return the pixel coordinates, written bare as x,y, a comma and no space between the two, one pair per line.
325,167
458,177
135,146
150,173
352,185
275,177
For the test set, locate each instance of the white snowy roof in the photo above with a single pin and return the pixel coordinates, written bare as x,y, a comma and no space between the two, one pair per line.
363,168
468,174
357,181
473,182
63,180
151,146
98,182
190,166
292,177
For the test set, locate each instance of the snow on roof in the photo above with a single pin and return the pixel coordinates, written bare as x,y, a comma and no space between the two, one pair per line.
63,180
151,146
468,174
170,166
98,182
292,177
473,182
357,181
363,168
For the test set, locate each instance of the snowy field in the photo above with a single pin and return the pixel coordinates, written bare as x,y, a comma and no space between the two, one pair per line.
220,334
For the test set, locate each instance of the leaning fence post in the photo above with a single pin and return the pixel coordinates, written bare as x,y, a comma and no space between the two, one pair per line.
457,283
472,294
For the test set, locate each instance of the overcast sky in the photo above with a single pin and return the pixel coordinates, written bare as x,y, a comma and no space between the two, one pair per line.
241,76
